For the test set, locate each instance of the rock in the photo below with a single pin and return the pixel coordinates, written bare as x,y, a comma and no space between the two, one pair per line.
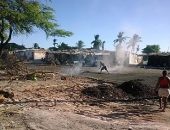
63,78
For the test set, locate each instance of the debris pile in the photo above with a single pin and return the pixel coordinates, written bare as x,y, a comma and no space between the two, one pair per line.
15,69
13,66
137,89
132,89
104,91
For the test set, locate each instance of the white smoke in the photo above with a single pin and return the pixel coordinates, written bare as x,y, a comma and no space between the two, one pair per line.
121,56
75,69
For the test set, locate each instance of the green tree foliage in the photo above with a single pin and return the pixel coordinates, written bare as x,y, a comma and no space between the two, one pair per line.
54,42
97,42
14,46
133,42
63,46
23,16
151,49
80,44
120,39
36,46
52,49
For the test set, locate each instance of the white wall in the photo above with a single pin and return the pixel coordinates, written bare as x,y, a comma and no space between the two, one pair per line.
32,54
39,55
134,59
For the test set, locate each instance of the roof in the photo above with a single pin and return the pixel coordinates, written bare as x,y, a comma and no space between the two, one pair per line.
35,50
83,52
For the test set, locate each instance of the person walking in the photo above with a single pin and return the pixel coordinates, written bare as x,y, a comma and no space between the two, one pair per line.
162,87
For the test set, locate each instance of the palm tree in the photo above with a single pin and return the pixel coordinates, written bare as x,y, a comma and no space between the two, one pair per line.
120,51
80,44
133,42
54,42
36,46
120,39
97,42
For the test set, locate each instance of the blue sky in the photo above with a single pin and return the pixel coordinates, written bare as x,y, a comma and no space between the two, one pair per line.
148,18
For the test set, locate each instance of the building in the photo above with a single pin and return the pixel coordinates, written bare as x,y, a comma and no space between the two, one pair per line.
31,54
88,57
135,59
158,60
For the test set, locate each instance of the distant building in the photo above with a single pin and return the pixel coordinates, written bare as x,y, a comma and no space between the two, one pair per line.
158,60
91,57
88,57
135,59
31,54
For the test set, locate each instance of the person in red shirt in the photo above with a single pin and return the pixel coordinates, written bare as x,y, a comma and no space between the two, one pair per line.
162,87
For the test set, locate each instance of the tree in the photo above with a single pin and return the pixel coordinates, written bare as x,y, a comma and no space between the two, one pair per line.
151,49
120,39
134,41
63,46
120,54
54,42
22,16
80,44
36,46
97,42
52,48
14,46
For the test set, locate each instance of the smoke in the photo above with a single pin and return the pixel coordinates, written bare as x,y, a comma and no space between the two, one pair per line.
121,56
108,60
73,70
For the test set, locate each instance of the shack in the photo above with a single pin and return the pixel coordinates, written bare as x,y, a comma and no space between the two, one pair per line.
31,54
88,57
135,59
159,60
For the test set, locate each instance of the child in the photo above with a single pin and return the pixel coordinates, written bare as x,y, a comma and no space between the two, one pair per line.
162,86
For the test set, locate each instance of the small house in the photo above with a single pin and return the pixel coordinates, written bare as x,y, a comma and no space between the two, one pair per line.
31,54
159,60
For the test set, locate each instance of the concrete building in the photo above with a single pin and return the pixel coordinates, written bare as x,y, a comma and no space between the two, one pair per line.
31,54
91,57
135,59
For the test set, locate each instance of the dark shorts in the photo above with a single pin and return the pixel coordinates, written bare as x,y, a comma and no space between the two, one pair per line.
104,68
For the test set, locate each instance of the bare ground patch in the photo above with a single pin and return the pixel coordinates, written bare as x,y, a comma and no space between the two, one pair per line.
57,103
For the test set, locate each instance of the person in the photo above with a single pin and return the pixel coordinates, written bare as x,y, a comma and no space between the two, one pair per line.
103,67
162,87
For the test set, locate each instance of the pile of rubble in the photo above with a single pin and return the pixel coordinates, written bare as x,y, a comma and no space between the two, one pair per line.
15,69
136,88
104,91
128,90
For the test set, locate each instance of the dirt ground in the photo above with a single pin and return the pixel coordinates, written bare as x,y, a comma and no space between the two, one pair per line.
56,104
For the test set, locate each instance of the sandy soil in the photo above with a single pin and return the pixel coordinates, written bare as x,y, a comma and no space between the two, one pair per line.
57,104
